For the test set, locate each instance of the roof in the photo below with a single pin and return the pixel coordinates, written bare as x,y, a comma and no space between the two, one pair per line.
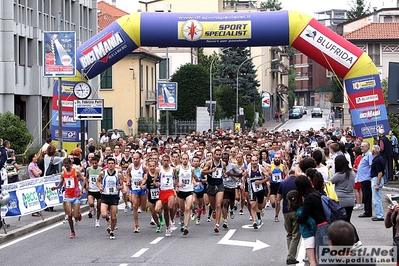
375,31
107,14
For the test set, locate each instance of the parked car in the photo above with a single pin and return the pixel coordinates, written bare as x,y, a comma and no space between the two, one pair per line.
301,109
295,113
120,131
305,110
317,112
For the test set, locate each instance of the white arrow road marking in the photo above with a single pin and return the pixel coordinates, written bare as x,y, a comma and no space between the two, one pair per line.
255,245
250,226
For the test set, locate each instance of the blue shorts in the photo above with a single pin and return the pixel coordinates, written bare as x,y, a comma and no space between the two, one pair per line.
141,192
72,200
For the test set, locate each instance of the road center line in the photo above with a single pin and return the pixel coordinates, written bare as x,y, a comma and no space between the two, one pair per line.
124,264
156,240
140,252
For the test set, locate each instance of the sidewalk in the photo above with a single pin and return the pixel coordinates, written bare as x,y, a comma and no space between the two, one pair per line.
26,224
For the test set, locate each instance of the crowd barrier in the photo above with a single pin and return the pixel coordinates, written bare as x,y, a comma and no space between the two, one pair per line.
32,195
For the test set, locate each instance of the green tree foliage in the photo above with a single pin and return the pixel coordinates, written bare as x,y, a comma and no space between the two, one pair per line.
357,9
291,79
272,4
225,102
291,98
193,90
337,94
14,129
393,119
205,61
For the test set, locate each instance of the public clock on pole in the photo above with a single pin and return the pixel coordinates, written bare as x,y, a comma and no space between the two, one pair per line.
82,90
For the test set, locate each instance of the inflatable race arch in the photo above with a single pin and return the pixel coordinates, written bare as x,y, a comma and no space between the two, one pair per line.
361,79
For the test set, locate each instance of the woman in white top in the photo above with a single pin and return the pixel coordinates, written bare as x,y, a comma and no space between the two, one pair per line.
51,150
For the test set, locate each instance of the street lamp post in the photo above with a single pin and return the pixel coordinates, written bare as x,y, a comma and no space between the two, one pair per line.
238,69
211,92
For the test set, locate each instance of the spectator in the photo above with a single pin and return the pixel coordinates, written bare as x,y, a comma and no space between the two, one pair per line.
363,176
34,172
358,186
115,135
102,132
391,220
386,153
104,138
395,150
90,143
377,182
51,150
45,145
12,167
3,154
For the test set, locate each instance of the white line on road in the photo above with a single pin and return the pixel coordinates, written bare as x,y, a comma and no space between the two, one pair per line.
124,264
156,240
140,252
257,245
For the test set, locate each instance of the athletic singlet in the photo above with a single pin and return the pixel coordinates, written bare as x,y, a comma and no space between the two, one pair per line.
185,177
125,164
110,182
166,179
153,190
71,184
277,174
92,175
137,177
216,178
200,186
254,176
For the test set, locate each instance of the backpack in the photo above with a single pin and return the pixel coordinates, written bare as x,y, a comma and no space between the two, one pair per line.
332,209
52,168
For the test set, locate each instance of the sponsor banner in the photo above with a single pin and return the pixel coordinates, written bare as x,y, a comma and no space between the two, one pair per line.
370,130
59,54
362,84
167,96
12,208
67,103
52,198
327,48
365,98
372,113
67,120
31,195
104,49
265,100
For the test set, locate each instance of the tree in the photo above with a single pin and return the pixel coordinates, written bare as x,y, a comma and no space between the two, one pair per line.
205,60
272,4
358,8
193,90
14,129
337,94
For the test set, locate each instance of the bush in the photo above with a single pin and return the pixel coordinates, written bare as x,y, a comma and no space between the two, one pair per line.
14,129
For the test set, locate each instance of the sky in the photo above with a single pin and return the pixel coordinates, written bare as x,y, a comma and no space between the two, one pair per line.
304,6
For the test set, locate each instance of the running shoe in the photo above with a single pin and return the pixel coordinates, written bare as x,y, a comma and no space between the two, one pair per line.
193,216
173,227
217,229
112,235
168,232
108,229
65,219
232,215
80,217
225,225
214,215
72,235
177,214
161,220
126,209
250,218
116,227
241,212
260,222
181,227
262,212
357,245
139,210
198,221
276,219
208,219
268,204
137,229
255,225
235,207
185,231
97,223
152,221
90,215
159,228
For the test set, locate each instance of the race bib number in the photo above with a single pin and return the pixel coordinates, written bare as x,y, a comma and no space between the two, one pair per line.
93,178
185,181
154,192
277,178
256,188
69,183
111,187
136,184
218,173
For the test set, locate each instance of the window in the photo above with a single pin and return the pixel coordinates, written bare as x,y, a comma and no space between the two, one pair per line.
106,79
373,50
107,118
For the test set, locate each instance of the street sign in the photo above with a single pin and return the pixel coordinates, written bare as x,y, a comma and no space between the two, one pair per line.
88,109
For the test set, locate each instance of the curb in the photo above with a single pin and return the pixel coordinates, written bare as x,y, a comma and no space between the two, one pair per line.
390,189
12,234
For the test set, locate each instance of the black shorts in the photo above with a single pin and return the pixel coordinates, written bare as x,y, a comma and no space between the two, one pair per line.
258,197
94,194
212,190
274,188
110,199
200,194
153,201
184,194
246,187
229,193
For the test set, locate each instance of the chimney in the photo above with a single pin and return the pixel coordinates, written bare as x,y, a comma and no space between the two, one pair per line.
114,2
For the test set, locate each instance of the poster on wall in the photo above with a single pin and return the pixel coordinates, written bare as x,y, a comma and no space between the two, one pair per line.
167,96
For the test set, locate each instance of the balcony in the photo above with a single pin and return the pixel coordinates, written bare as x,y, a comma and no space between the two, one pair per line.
150,98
